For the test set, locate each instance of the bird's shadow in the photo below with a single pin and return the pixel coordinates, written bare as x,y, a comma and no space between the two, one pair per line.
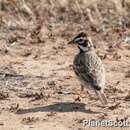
59,107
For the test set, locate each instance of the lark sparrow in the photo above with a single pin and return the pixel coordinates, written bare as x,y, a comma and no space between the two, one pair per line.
88,66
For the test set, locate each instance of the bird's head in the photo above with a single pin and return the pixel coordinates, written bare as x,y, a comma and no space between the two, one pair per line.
83,42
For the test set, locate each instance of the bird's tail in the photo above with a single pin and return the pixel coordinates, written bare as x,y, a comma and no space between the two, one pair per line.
101,97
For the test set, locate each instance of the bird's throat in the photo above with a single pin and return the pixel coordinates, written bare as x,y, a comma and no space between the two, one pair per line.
83,49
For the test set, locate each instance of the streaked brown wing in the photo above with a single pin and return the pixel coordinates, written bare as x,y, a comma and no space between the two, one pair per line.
87,75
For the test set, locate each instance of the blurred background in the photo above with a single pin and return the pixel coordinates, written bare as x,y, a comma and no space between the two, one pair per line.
43,17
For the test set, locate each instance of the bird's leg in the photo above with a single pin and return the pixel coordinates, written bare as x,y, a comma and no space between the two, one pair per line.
82,88
101,97
86,91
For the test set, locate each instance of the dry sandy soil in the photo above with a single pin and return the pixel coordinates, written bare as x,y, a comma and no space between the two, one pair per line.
38,88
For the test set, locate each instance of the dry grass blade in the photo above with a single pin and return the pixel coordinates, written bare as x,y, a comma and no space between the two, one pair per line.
90,16
119,6
78,6
28,10
81,13
51,2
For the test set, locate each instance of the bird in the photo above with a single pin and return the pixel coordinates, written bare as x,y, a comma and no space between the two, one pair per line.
88,67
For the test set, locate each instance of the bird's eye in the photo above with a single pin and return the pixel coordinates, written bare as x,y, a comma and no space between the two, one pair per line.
79,41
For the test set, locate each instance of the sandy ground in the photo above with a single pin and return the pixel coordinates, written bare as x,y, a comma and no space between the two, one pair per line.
38,88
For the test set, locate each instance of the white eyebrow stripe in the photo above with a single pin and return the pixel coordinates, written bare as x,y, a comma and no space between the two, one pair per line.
78,39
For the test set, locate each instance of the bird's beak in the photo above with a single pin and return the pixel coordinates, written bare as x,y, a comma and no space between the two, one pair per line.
71,42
